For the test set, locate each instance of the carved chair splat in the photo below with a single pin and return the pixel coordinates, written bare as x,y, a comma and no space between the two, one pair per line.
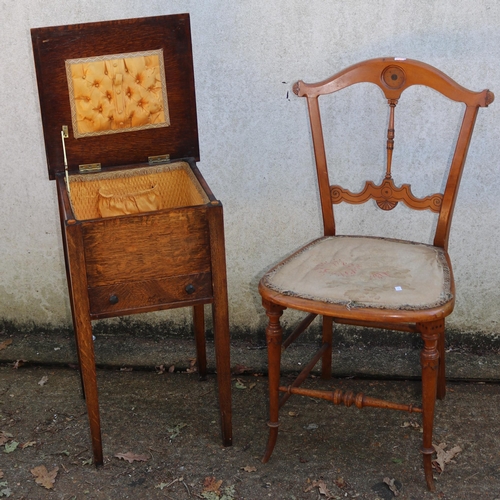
371,281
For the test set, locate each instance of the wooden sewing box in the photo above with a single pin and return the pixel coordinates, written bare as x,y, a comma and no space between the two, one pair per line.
141,229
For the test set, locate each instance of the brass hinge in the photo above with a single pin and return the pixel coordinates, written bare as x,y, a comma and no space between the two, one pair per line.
156,160
65,135
89,167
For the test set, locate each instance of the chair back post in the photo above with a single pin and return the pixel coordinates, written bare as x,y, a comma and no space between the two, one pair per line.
321,166
443,226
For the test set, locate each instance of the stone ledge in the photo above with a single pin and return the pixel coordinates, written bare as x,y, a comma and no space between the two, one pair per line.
352,356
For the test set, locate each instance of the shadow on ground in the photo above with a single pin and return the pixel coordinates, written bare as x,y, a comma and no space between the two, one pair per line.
171,422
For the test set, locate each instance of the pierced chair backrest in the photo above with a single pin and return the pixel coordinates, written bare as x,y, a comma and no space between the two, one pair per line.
393,76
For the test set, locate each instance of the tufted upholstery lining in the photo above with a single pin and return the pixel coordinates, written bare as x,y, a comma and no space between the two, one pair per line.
135,190
117,93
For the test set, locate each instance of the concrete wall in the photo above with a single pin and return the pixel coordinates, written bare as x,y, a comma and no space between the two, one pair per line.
255,149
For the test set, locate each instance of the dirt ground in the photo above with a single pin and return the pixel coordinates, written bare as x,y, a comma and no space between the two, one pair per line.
169,423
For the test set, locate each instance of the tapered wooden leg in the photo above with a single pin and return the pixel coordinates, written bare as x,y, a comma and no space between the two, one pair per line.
199,335
441,389
326,362
82,385
83,332
222,360
274,337
85,346
429,359
220,313
68,276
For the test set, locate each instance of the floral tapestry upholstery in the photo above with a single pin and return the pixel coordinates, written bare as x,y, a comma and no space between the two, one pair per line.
117,93
366,272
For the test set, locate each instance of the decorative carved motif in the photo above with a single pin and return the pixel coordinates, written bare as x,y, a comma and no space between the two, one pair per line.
391,132
394,77
387,196
429,356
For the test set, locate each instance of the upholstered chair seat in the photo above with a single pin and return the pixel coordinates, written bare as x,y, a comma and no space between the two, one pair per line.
365,272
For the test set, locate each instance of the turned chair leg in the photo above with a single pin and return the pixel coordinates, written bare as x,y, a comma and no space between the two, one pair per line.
274,337
441,388
199,335
326,361
429,359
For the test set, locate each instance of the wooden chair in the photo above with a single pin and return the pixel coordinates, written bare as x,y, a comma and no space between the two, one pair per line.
372,281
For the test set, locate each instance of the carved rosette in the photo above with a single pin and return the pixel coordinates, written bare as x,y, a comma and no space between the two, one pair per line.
394,77
386,204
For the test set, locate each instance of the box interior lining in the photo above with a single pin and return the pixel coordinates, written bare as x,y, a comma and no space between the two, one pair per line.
166,186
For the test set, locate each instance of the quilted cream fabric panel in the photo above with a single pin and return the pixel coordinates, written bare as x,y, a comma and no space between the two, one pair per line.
117,93
366,272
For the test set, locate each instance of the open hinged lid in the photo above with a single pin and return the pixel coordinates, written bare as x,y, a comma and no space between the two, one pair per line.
124,90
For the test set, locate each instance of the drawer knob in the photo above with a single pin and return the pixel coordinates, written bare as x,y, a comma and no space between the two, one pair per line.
113,299
190,289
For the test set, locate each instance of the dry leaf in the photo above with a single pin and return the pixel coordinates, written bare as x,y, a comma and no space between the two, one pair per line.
239,384
160,369
444,457
175,431
132,457
171,369
43,477
211,484
322,489
19,363
43,381
413,425
4,437
4,491
249,468
341,483
239,369
192,366
28,444
5,344
392,486
10,447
